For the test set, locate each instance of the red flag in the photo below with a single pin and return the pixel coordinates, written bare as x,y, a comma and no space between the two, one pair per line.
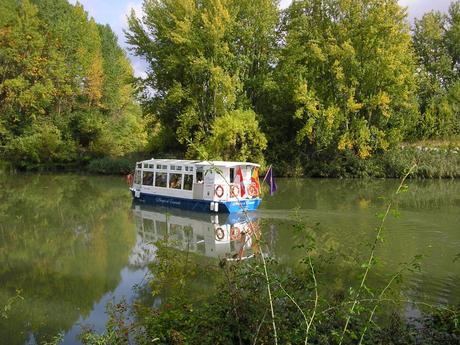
239,180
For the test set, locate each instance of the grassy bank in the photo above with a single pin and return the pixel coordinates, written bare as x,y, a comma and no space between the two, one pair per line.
432,162
433,159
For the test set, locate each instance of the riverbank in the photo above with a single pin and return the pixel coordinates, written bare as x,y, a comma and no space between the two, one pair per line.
432,162
433,159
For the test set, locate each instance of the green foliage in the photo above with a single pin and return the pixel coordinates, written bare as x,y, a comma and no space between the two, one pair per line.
207,59
117,330
113,165
65,92
346,75
42,143
236,136
226,303
435,41
431,163
236,79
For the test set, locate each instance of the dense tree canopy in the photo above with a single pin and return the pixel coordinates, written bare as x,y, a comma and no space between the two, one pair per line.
436,41
65,91
207,59
333,75
348,74
228,79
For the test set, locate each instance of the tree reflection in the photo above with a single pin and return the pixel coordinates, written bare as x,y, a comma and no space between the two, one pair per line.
64,240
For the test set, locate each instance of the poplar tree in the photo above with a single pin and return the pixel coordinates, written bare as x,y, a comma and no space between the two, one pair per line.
435,39
65,87
207,59
348,71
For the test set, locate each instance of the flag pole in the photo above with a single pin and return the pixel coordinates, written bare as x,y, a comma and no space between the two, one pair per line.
265,177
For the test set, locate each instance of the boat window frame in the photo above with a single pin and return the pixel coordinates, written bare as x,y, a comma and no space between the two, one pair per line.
155,179
232,175
143,177
181,176
183,182
201,172
138,176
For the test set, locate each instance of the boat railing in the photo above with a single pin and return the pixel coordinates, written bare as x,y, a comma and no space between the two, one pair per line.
232,191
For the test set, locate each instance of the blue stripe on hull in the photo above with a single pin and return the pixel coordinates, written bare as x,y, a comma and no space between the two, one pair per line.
198,205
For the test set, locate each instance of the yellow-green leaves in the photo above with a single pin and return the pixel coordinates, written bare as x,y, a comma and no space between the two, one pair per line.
353,73
65,92
207,59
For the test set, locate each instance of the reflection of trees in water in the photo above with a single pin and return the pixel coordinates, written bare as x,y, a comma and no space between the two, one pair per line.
65,239
349,194
340,255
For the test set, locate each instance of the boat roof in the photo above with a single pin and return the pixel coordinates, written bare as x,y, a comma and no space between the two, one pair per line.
226,164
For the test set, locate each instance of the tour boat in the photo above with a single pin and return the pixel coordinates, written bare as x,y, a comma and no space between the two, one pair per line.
212,186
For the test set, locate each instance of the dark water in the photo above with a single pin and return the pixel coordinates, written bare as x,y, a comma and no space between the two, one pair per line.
70,244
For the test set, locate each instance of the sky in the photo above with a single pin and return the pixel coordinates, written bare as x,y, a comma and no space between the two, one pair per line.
114,12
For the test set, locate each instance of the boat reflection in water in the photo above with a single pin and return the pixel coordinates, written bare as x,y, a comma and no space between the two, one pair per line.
231,236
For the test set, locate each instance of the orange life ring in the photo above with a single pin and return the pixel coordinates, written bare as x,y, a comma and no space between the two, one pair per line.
235,233
219,233
234,191
219,191
252,190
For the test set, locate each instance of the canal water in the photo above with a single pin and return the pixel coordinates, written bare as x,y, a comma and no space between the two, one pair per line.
71,244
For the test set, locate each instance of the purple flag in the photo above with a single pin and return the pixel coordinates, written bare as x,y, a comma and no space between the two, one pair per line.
270,179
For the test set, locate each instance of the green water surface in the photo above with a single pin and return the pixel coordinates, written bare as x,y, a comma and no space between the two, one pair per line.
69,244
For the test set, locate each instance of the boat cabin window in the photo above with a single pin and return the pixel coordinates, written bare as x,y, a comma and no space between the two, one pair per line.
139,165
161,179
158,166
199,177
188,182
146,166
178,167
147,178
150,166
175,181
232,175
137,177
172,167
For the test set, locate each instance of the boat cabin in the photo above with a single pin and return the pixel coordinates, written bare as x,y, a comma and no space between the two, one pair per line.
199,180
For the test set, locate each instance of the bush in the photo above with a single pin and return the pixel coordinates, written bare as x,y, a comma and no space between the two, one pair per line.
431,163
41,144
114,165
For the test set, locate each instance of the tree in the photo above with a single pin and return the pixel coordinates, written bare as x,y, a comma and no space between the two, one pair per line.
349,72
207,58
435,41
237,136
65,87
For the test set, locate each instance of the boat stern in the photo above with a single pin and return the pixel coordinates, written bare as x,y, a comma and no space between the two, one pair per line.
240,205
